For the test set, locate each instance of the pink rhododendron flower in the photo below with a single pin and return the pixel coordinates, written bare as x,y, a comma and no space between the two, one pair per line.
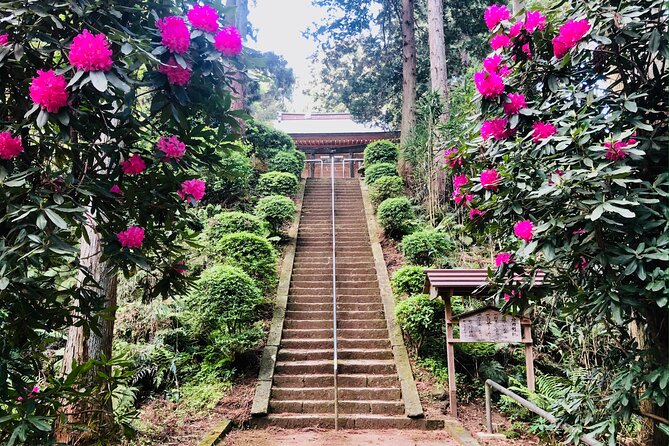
527,50
133,165
495,128
495,14
192,188
473,213
535,20
542,130
133,237
581,265
179,268
90,52
10,146
524,230
491,63
228,41
508,297
172,147
115,189
490,179
452,158
49,90
459,181
569,35
490,85
580,231
204,18
174,34
515,104
615,150
459,197
500,41
503,70
515,30
4,38
176,74
502,258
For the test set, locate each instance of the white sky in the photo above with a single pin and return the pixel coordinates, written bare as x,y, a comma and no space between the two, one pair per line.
279,25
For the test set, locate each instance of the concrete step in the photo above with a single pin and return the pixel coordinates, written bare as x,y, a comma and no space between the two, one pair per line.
345,406
341,324
318,275
345,393
317,343
327,380
326,296
357,421
309,354
327,314
346,366
343,333
312,307
307,291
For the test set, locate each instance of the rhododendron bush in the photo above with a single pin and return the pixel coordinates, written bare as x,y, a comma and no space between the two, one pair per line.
568,165
111,115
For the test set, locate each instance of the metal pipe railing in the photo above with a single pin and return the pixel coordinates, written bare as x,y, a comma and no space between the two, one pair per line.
490,384
334,297
320,174
352,161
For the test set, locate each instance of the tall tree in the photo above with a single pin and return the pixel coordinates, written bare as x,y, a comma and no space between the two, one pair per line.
408,72
239,18
438,74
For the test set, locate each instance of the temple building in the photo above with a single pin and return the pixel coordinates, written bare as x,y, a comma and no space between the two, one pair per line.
321,135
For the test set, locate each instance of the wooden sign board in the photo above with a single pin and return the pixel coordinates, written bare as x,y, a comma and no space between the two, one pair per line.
490,326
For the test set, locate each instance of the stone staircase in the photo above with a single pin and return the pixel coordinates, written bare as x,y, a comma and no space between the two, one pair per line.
302,392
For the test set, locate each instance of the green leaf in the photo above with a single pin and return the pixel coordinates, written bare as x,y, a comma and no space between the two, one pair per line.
40,423
55,218
41,221
631,106
599,210
126,48
42,118
99,80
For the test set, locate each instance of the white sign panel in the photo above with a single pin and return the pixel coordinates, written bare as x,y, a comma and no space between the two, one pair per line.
490,326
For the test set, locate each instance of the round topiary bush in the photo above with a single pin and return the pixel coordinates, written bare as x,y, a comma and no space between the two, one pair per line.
408,280
378,170
383,151
277,183
386,187
233,221
276,210
225,298
428,247
291,162
420,319
252,253
395,216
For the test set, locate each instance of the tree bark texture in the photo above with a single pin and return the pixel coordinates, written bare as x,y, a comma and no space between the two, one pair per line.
240,21
438,74
408,72
84,345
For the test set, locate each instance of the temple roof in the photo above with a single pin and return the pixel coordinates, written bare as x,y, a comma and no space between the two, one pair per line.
330,130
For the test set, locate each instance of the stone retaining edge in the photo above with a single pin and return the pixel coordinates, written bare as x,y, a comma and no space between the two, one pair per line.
217,433
260,405
412,406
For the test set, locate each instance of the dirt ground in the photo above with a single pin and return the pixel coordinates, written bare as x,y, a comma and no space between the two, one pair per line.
388,437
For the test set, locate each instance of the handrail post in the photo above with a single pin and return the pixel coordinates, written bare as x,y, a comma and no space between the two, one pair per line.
488,408
334,296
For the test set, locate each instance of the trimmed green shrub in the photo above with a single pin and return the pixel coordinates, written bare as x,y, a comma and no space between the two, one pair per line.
395,216
378,170
383,151
386,187
276,210
252,253
408,280
420,318
233,221
290,162
225,298
232,182
277,183
266,141
428,247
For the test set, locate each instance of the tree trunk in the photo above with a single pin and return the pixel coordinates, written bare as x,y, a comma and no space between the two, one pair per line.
240,21
438,75
408,80
84,345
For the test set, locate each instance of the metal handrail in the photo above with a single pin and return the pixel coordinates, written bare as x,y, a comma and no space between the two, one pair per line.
490,384
320,175
334,297
343,164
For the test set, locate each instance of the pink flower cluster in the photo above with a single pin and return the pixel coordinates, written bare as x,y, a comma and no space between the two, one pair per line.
176,74
116,189
459,181
495,14
490,85
90,52
4,39
490,179
10,146
204,18
515,103
542,130
500,41
493,64
133,237
172,147
496,129
452,157
174,34
524,230
459,197
614,150
570,34
133,165
49,90
473,213
32,395
502,258
228,41
192,188
535,20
